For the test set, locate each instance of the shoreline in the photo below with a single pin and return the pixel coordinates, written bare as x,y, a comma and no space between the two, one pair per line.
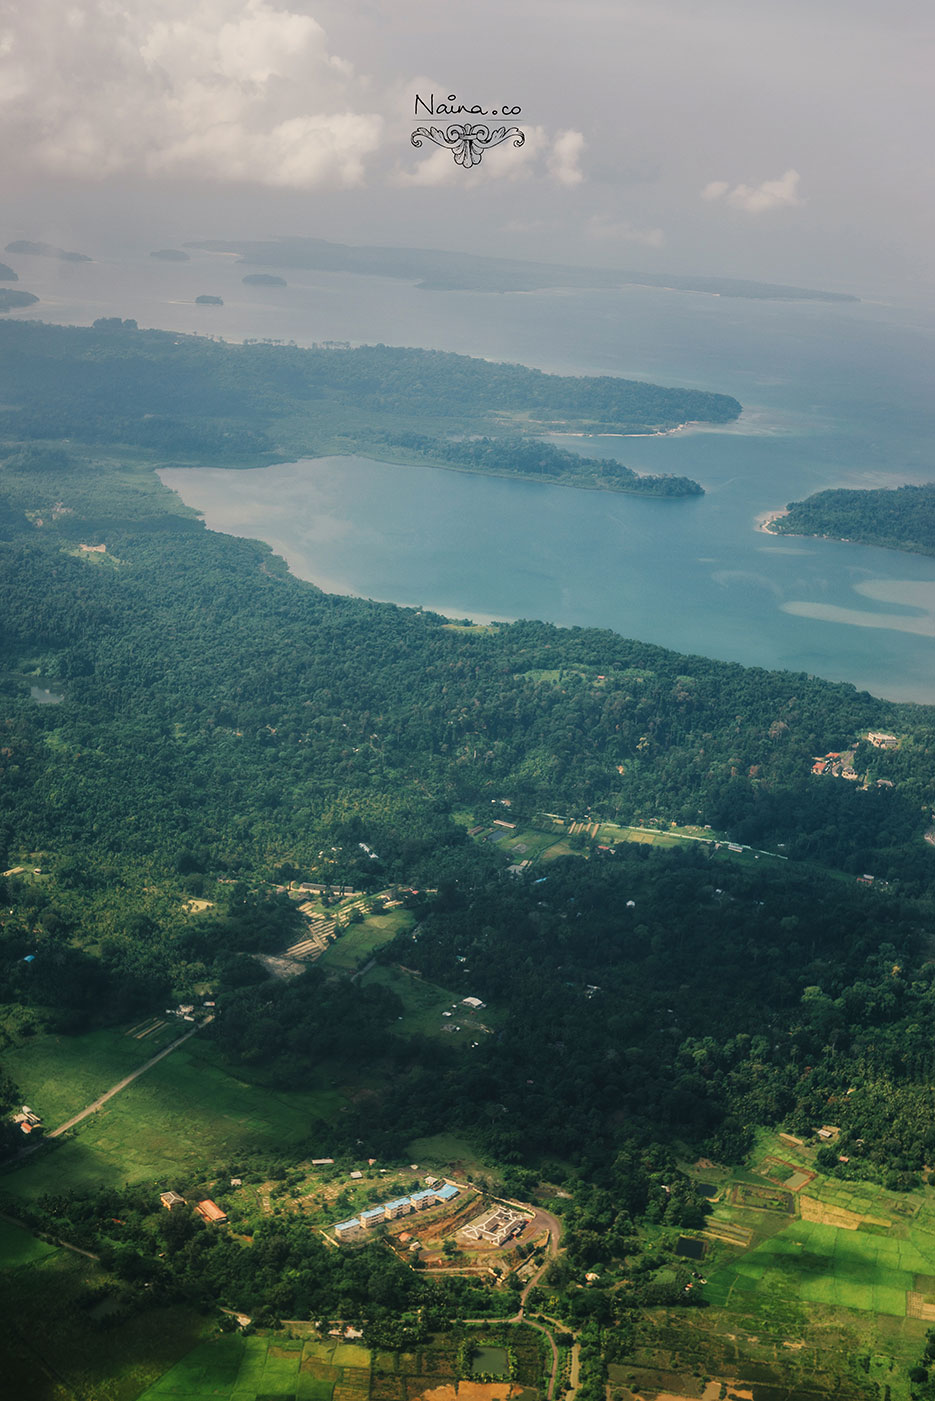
765,519
656,433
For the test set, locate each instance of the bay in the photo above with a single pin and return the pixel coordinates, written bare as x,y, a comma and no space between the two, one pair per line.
833,395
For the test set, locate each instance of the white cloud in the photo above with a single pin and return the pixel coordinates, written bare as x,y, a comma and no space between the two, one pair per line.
567,149
755,199
225,90
622,231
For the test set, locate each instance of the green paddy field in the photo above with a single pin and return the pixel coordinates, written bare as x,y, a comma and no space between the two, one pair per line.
245,1369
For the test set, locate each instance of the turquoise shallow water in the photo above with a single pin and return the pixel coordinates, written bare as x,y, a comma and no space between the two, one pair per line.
833,395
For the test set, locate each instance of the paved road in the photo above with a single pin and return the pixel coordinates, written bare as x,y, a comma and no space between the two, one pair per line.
122,1084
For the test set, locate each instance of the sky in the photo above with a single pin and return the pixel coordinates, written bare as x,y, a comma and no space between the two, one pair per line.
788,142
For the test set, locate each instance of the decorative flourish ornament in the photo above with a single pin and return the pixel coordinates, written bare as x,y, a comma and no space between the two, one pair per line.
466,141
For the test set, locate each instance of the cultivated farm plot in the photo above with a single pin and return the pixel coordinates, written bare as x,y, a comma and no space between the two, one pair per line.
813,1263
246,1369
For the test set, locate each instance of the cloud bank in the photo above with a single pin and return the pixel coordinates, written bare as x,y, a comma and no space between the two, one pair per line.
756,199
224,90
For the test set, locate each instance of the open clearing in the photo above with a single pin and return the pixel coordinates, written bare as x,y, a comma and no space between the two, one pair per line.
425,1003
352,948
185,1114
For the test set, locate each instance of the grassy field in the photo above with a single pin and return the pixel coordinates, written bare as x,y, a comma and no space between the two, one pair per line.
448,1153
59,1075
424,1003
18,1247
178,1121
354,947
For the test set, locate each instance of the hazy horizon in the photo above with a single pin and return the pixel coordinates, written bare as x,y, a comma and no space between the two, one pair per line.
783,144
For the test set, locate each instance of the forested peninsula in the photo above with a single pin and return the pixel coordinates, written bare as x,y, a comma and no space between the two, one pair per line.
900,518
257,402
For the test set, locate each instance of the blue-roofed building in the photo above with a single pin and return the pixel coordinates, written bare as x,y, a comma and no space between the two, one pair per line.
421,1200
371,1217
446,1193
401,1206
347,1228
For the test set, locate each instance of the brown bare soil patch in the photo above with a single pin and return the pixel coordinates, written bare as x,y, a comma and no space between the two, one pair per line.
827,1215
919,1306
472,1391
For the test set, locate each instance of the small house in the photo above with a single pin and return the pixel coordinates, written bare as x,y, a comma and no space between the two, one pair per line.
171,1200
210,1211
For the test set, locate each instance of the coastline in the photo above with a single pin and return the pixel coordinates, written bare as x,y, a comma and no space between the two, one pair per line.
765,519
656,433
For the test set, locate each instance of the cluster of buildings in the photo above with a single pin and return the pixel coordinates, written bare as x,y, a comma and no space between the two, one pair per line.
836,764
401,1206
28,1121
208,1210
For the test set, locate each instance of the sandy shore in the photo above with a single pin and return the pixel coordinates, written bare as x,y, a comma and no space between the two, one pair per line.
658,433
765,519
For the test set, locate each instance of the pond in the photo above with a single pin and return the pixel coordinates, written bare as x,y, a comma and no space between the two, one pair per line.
690,1248
491,1361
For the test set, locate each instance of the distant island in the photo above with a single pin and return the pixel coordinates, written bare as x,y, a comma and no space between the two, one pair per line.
263,279
46,250
897,518
209,403
7,274
436,270
171,255
11,301
206,300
